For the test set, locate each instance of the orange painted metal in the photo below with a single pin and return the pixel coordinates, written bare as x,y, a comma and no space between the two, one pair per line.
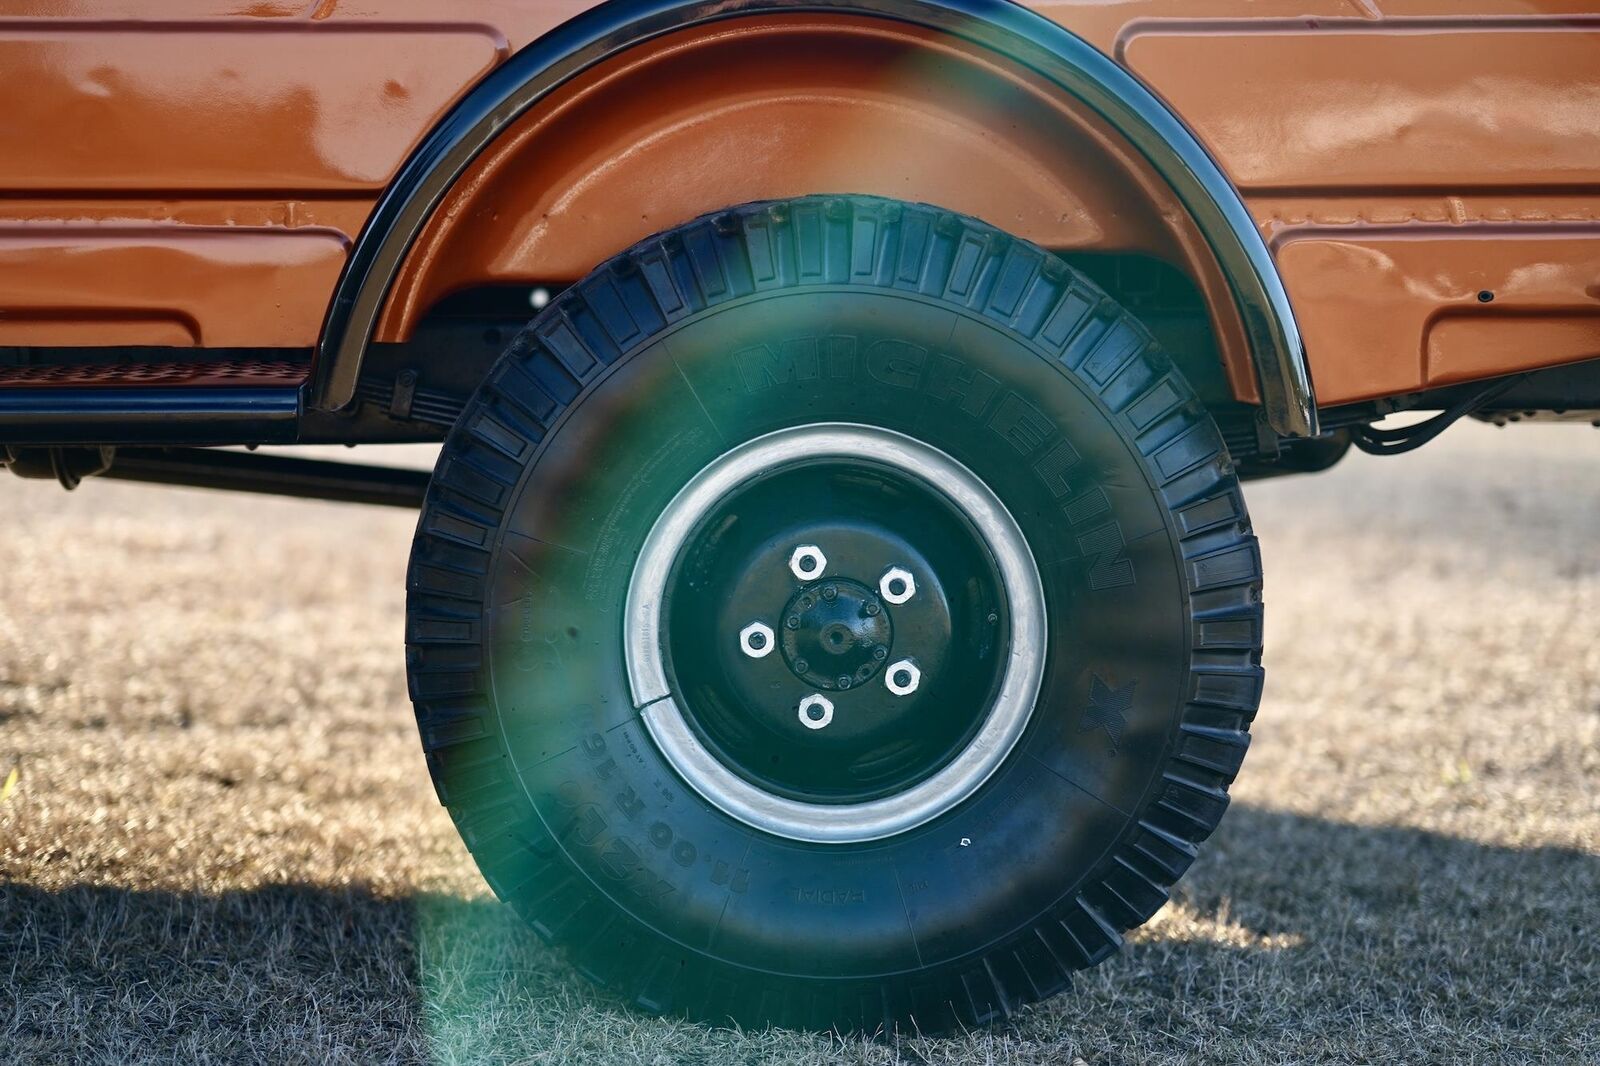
781,108
1414,312
1457,104
1404,165
190,172
230,106
84,283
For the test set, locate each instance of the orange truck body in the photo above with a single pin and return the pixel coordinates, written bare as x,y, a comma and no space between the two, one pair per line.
193,173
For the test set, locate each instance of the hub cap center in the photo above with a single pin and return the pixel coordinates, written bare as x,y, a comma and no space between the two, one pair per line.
836,634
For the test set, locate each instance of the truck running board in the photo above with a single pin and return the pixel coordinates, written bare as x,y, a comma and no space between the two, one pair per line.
238,402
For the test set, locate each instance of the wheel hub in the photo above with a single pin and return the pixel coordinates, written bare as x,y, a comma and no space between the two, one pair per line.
836,634
905,604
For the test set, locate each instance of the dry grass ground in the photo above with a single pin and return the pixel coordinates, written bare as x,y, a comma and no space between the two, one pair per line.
222,846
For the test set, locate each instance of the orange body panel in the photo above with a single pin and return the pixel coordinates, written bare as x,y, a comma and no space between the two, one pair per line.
822,104
164,284
1462,104
191,172
1412,282
223,105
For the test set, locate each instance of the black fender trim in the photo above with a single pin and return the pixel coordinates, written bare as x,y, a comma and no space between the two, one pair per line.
1023,36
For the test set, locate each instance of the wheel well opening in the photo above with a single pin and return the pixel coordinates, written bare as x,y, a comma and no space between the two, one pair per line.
470,327
1171,306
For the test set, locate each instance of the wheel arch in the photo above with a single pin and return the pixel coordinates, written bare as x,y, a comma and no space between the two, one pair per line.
448,185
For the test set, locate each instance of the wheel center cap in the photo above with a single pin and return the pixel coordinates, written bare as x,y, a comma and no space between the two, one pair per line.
836,633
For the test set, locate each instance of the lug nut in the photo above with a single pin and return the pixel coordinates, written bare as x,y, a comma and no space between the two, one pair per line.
756,640
816,711
807,562
902,677
897,585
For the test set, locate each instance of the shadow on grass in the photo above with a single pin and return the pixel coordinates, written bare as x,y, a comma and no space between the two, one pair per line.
1329,932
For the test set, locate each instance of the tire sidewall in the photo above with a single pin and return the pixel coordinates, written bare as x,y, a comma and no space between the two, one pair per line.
1044,825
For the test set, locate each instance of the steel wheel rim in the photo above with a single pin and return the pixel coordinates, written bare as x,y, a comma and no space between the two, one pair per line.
1007,716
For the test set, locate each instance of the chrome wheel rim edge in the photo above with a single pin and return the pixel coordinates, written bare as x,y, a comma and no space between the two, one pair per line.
1010,710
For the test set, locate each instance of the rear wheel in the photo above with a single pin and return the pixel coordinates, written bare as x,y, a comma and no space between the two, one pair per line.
834,612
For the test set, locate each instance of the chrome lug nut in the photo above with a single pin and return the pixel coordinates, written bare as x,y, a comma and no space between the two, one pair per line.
816,711
897,585
757,640
902,677
807,562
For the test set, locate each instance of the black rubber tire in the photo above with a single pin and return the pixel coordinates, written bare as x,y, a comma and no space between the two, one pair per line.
834,309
